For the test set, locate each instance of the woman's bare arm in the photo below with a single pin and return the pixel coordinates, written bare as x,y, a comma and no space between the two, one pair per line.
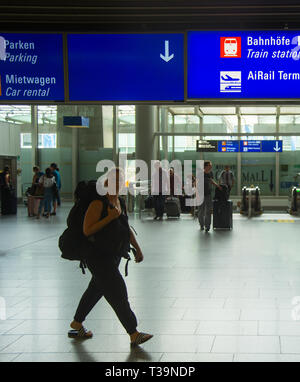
133,241
7,179
92,222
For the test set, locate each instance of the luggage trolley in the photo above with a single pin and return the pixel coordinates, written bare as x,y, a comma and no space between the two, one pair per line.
251,204
25,192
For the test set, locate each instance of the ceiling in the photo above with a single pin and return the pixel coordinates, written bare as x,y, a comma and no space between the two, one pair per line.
146,16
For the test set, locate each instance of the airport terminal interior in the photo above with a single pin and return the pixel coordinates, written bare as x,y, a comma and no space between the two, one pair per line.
222,295
205,81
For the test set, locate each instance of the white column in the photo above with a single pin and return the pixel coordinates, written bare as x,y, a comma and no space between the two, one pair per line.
239,156
164,129
34,137
75,156
146,125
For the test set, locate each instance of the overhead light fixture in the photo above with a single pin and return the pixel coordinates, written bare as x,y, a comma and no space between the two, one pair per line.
76,122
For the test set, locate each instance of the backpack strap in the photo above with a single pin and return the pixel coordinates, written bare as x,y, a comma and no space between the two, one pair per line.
105,203
128,258
82,265
123,206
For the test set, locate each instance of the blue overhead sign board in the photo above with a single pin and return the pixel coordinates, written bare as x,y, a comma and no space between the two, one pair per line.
253,146
243,64
228,146
249,146
271,146
31,67
126,67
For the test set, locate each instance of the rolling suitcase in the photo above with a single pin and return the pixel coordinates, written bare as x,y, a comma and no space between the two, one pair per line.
172,207
149,202
222,214
8,202
13,205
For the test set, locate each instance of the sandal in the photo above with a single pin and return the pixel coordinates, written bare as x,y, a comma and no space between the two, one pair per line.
81,333
141,338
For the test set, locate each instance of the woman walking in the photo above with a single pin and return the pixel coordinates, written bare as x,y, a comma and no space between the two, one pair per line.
107,214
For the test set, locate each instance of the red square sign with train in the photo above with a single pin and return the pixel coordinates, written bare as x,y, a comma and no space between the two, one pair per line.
230,47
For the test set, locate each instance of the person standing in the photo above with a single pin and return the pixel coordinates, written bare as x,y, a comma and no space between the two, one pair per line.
56,195
159,189
204,211
227,177
5,182
37,174
33,200
47,181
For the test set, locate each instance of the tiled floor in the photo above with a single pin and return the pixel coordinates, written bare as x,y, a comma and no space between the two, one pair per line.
223,296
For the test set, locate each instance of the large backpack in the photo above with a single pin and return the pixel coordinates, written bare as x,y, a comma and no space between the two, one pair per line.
114,238
73,244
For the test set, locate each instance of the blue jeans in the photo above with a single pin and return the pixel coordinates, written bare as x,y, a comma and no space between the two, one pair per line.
57,197
47,201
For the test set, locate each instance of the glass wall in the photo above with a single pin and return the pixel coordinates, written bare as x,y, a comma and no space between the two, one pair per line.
95,143
19,116
126,138
227,124
40,138
274,173
289,165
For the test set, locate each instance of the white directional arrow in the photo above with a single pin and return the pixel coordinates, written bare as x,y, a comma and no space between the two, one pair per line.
276,148
166,57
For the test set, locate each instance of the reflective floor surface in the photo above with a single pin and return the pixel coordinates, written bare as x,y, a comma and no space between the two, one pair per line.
217,296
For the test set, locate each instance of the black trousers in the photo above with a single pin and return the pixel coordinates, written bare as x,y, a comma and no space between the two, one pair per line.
159,205
106,281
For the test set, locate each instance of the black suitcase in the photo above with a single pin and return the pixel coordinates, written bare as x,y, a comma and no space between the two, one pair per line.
172,207
222,194
149,202
222,214
13,205
9,203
